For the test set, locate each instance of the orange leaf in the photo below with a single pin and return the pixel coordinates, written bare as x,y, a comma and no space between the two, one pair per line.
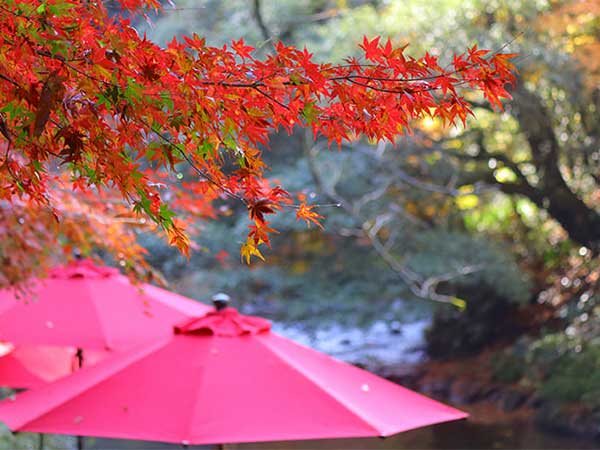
307,214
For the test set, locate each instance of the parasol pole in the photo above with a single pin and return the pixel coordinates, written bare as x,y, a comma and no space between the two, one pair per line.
221,301
41,442
79,356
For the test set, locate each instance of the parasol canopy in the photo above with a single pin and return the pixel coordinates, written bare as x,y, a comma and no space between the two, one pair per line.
91,307
222,378
28,366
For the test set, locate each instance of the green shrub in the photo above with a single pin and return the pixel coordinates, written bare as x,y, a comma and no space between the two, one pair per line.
507,367
575,377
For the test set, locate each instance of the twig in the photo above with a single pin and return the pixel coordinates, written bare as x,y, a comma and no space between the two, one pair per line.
420,286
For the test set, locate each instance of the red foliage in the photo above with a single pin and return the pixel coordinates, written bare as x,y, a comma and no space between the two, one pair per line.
84,95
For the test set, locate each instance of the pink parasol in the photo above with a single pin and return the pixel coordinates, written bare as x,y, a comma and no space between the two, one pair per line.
28,366
90,306
85,306
223,378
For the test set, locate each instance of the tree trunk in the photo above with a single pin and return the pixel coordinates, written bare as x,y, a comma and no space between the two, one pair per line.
551,192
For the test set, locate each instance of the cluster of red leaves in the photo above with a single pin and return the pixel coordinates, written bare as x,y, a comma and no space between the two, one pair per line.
82,93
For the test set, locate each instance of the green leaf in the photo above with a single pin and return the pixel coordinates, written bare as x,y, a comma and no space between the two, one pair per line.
104,100
143,204
133,90
151,150
180,147
91,174
309,112
60,8
295,79
230,142
205,149
38,166
166,214
59,48
167,100
8,108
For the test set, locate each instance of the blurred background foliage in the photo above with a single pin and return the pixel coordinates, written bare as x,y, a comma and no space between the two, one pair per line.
499,219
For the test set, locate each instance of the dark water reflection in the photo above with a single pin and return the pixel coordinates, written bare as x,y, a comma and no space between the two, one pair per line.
454,435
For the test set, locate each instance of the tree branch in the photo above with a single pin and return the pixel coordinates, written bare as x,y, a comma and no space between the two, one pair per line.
425,288
256,11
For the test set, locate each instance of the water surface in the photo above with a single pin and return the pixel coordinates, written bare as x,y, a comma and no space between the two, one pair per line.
453,435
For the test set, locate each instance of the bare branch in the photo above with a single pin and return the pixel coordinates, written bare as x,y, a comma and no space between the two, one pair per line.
425,288
371,197
256,11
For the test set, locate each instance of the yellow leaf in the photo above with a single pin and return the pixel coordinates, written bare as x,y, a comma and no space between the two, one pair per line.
250,249
459,303
505,175
468,201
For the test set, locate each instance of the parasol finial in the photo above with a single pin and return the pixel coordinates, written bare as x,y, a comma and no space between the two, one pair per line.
221,301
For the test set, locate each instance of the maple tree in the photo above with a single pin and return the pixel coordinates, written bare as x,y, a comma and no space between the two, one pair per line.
103,131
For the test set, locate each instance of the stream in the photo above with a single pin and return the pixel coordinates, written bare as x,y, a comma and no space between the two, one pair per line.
455,435
378,344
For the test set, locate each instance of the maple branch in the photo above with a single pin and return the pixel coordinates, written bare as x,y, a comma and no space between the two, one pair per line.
10,80
194,166
270,97
6,156
392,79
172,145
213,103
313,205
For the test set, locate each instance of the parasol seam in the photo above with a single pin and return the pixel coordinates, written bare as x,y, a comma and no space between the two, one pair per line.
108,345
338,398
189,427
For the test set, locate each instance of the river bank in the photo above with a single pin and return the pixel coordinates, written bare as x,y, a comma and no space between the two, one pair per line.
468,383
